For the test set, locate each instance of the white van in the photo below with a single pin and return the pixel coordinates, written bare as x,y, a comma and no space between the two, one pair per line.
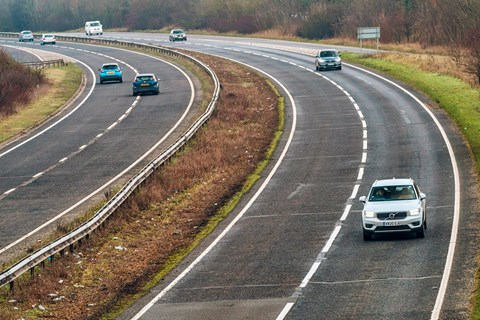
93,27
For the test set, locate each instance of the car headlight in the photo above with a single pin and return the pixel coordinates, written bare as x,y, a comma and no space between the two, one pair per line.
414,212
369,214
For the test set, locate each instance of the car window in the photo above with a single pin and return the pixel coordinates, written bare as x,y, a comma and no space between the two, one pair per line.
144,78
326,54
110,66
94,24
392,193
177,31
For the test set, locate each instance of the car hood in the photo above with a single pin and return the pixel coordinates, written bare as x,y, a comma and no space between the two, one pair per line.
389,206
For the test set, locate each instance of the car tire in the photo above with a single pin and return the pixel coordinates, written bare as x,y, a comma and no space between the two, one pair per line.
339,68
367,236
121,80
421,233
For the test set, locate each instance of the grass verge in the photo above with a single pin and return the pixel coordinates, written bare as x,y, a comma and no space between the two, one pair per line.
63,82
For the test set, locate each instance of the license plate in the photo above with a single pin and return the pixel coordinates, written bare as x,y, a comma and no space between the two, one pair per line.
144,85
110,72
331,64
391,223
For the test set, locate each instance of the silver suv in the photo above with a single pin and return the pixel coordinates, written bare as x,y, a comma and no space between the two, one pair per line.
394,205
328,59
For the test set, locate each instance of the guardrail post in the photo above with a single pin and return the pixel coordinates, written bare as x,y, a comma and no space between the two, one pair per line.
11,287
32,272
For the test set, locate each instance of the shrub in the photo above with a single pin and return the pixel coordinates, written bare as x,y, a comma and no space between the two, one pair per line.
16,83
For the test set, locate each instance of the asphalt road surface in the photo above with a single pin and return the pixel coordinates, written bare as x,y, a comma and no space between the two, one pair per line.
101,139
293,249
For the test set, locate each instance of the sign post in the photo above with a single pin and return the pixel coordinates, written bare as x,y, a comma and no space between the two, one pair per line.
368,33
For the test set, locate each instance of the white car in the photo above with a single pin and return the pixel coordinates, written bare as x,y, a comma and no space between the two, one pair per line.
394,205
93,27
25,35
47,39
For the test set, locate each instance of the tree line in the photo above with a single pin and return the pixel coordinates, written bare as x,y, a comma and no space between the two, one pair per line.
454,23
429,22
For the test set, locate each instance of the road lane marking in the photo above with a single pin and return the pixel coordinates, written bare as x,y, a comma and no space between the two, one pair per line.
152,149
456,213
242,212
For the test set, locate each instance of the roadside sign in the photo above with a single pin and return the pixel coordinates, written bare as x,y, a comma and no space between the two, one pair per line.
368,33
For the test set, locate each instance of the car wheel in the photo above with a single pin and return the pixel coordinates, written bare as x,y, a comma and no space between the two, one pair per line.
121,80
101,81
367,236
339,68
421,233
156,92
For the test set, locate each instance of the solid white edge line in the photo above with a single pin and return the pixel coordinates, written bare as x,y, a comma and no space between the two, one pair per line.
456,213
61,119
241,213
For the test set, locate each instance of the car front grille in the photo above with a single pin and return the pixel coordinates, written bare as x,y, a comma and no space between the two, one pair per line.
393,228
391,215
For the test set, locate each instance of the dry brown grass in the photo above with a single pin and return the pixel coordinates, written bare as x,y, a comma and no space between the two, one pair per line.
16,82
166,216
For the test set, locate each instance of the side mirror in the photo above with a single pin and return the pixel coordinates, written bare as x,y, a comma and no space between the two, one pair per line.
422,196
362,199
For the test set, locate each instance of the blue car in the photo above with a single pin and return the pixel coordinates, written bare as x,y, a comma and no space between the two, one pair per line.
145,83
110,72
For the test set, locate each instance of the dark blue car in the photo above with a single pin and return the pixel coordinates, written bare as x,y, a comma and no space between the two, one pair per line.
145,83
110,72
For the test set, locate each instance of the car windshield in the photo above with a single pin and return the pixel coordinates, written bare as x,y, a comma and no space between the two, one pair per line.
110,66
327,54
144,78
392,193
94,24
48,36
177,31
26,32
